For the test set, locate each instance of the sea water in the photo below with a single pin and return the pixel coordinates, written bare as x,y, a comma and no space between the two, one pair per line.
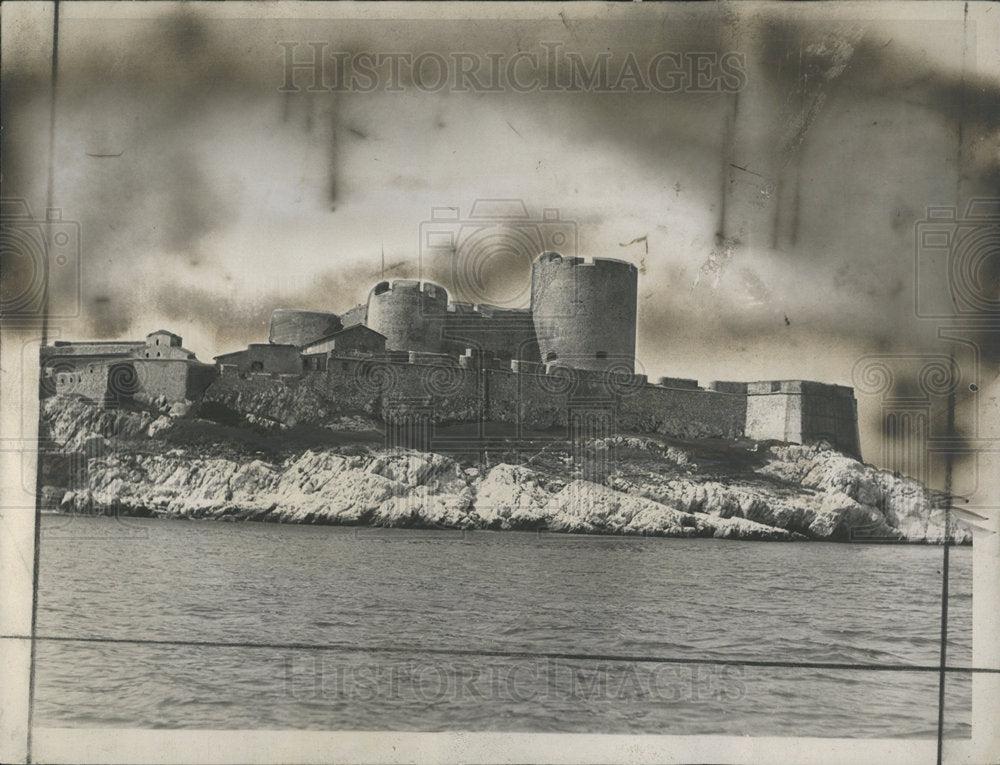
163,623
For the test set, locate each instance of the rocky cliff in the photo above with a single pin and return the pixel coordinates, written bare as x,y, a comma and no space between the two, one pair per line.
166,462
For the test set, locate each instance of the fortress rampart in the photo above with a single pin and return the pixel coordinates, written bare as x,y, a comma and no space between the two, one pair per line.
435,393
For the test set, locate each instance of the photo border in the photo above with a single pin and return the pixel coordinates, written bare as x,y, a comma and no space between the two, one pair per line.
19,529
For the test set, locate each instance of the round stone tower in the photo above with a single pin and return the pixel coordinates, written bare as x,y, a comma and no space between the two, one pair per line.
584,311
410,314
291,326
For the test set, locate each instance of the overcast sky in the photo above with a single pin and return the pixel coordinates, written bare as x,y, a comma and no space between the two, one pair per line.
774,208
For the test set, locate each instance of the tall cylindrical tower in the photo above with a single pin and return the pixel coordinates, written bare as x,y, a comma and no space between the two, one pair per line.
291,326
584,311
410,314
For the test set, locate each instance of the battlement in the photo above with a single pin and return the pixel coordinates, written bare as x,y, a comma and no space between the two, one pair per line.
431,359
411,287
462,308
796,386
723,386
558,260
678,382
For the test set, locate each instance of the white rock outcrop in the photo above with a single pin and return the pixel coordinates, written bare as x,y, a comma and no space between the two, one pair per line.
796,492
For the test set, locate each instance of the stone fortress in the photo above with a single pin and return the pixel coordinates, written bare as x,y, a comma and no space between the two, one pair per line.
410,354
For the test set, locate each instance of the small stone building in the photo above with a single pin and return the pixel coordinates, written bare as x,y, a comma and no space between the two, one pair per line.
119,371
165,345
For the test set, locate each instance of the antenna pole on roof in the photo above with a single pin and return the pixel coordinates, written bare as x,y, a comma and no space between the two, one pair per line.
383,260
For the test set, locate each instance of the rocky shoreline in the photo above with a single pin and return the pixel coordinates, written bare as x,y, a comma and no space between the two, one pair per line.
170,463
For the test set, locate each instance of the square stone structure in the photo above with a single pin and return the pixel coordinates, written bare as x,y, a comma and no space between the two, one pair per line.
802,412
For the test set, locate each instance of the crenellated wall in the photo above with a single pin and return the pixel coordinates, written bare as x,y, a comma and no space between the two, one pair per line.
568,359
541,400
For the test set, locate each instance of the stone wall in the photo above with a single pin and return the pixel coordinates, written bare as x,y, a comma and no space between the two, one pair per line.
441,394
684,413
263,357
107,380
80,377
162,377
351,386
504,333
830,413
356,315
95,348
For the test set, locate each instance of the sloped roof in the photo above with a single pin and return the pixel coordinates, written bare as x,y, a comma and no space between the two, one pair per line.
347,330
